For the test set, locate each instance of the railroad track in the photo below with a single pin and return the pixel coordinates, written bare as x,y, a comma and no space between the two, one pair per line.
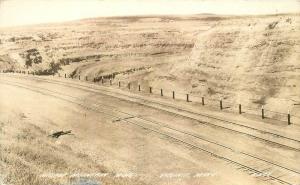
230,155
293,144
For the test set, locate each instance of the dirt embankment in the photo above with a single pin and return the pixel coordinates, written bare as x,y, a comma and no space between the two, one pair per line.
249,60
30,157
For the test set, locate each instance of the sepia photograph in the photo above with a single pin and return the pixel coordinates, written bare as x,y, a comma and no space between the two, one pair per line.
149,92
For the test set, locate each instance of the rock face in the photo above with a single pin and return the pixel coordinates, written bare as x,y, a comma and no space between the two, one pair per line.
254,60
6,63
250,59
68,61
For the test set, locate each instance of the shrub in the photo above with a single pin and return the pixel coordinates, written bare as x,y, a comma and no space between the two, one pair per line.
53,68
272,25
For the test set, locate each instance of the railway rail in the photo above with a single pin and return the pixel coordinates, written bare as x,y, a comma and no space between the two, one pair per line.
283,175
218,122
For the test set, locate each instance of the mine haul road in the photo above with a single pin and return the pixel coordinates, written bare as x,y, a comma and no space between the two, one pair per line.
159,141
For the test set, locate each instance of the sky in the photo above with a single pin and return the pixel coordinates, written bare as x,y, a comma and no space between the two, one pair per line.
24,12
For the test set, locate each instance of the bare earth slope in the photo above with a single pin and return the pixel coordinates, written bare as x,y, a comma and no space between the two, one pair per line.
249,60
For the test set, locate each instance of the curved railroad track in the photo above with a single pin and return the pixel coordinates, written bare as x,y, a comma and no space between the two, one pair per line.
168,108
163,129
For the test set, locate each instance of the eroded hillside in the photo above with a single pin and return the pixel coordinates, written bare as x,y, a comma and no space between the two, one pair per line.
252,60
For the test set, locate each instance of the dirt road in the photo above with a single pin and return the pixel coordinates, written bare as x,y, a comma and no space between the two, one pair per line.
123,138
